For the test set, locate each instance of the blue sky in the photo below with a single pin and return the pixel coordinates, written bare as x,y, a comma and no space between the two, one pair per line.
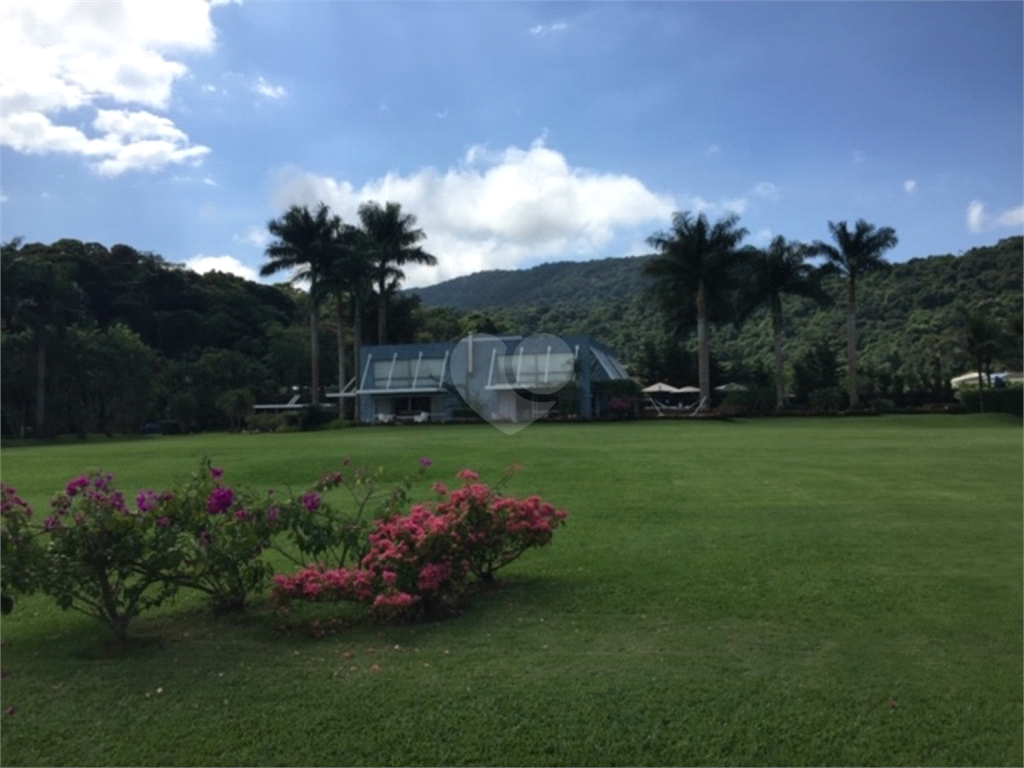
517,133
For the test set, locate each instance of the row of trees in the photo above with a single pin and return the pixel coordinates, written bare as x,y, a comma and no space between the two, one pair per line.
345,263
702,274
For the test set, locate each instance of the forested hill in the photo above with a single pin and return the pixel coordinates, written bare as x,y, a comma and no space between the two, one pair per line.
604,280
933,280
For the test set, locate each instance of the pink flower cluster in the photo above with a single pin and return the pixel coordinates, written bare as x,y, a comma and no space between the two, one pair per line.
11,502
317,583
220,500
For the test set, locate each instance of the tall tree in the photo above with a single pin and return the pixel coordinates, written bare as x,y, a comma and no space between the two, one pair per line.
40,294
781,269
694,276
348,281
982,339
392,242
306,244
858,252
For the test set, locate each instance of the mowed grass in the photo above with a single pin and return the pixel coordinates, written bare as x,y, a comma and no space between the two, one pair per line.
833,591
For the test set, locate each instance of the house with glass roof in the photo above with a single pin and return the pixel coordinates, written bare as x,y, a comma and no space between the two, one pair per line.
501,378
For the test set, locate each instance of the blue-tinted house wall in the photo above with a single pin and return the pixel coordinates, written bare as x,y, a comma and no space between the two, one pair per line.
400,380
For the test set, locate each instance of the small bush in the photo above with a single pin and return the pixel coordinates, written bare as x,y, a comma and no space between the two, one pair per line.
882,405
269,422
757,401
1003,400
827,400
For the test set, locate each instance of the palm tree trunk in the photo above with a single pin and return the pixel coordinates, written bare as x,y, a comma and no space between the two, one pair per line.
780,394
357,339
341,356
41,387
851,344
703,354
382,317
314,349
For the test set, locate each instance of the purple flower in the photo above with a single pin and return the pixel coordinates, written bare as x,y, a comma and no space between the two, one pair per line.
163,522
311,501
272,514
52,523
219,500
241,514
216,471
426,461
146,501
77,484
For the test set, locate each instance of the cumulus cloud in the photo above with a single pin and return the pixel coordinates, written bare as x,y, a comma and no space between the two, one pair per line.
979,221
497,209
541,30
231,265
58,57
909,186
264,88
126,141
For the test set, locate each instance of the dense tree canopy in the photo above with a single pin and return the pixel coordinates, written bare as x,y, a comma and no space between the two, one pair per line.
130,339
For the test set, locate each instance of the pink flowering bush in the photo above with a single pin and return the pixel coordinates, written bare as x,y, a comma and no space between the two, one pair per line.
427,558
335,534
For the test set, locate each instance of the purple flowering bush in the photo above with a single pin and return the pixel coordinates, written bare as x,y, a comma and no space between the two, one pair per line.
222,531
103,557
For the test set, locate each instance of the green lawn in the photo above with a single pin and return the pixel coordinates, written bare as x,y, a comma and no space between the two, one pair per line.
803,591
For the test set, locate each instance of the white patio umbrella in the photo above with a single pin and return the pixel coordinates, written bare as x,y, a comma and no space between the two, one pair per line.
688,390
730,387
661,388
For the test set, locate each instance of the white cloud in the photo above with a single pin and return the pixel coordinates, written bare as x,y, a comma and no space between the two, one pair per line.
909,186
3,198
218,3
496,210
128,140
766,190
1011,218
979,221
231,265
546,29
976,216
763,236
209,182
258,236
264,88
67,56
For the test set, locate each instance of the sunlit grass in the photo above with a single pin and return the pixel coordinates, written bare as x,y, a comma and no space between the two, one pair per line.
806,591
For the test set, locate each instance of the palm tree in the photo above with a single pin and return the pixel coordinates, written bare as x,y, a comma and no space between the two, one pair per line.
982,340
391,240
306,244
694,275
348,281
779,270
859,252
